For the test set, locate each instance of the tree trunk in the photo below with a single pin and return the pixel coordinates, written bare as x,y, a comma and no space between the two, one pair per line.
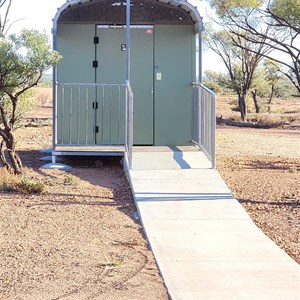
14,163
242,107
254,97
271,97
3,157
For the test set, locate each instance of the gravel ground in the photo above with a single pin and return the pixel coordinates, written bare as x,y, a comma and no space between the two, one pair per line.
80,240
262,169
77,241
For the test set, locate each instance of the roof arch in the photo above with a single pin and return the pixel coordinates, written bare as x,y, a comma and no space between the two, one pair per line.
143,11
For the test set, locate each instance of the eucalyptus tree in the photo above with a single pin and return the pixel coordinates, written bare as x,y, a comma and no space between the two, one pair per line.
273,76
259,88
240,63
273,23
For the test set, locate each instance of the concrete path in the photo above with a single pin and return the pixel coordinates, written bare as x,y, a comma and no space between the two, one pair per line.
205,244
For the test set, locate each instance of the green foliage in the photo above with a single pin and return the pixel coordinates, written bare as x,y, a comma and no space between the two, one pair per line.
260,82
223,6
273,73
23,60
30,186
284,89
212,85
25,104
288,10
212,81
218,82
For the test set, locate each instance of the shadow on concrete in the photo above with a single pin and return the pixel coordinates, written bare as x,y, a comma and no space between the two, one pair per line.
178,157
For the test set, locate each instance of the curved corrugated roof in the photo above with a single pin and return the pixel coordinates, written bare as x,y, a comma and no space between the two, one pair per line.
184,5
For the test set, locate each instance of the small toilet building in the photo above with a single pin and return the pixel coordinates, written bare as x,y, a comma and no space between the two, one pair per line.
90,91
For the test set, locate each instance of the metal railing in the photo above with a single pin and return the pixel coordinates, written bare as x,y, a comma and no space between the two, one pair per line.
204,121
129,124
88,114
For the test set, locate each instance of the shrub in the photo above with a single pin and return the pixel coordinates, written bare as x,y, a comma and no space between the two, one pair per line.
30,186
70,180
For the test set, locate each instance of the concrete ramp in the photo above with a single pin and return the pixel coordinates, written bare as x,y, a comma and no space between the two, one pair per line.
205,244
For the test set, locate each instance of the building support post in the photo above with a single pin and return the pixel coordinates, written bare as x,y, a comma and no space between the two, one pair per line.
129,98
54,94
200,55
128,40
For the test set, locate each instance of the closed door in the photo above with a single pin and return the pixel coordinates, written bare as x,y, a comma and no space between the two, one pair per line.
110,54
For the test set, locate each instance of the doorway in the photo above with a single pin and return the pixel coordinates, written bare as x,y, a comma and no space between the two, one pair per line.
110,68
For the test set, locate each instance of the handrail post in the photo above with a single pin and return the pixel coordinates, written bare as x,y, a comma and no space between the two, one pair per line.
213,131
54,114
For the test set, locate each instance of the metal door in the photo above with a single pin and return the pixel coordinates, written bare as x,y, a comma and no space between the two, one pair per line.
110,66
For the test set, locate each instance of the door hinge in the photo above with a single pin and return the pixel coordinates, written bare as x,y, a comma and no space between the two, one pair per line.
95,105
96,40
95,64
96,129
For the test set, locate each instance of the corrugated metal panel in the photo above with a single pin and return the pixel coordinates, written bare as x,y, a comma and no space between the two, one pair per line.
184,5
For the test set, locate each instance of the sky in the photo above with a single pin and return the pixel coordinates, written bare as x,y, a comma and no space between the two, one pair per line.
33,14
38,14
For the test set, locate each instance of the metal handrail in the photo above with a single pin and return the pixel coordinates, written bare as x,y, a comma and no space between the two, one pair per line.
204,121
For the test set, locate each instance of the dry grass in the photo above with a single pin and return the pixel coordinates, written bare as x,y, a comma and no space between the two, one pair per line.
282,110
42,104
43,96
271,118
9,182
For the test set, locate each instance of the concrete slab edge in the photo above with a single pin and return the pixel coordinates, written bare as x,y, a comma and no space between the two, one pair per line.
128,176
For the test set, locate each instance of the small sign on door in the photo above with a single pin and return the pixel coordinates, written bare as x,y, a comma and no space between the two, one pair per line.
123,47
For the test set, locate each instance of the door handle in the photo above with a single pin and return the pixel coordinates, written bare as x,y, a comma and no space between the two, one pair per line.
152,91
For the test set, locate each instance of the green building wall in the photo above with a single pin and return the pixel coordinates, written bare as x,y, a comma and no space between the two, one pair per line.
173,57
